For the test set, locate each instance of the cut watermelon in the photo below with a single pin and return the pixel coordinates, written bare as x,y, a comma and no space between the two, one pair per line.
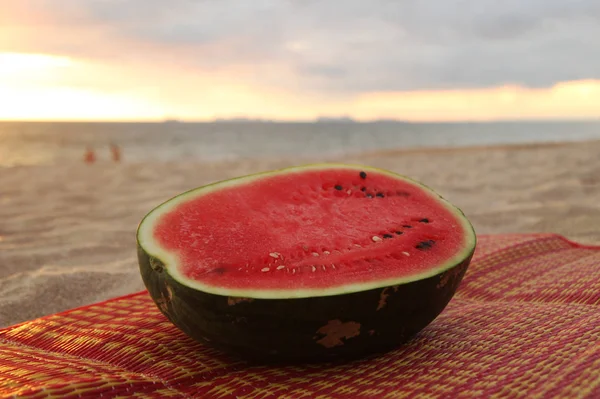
312,262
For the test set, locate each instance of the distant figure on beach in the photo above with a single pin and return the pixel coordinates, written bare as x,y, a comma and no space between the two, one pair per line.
89,156
116,152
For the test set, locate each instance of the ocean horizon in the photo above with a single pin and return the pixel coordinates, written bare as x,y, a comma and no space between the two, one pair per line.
46,143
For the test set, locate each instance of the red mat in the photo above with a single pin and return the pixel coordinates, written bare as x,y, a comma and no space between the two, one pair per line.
525,323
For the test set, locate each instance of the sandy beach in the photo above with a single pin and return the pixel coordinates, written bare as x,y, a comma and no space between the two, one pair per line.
67,232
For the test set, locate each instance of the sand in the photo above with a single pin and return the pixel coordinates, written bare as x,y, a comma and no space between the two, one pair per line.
67,232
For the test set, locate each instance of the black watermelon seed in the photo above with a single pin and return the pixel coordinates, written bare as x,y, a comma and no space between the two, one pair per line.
369,195
338,187
407,226
425,245
380,195
399,232
363,189
363,175
387,236
402,193
424,220
219,270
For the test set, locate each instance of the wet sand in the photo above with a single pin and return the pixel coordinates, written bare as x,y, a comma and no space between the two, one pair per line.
67,232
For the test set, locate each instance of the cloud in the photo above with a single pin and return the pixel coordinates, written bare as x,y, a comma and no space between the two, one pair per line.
339,47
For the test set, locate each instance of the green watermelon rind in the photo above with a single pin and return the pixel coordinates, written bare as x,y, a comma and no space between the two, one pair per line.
169,263
291,330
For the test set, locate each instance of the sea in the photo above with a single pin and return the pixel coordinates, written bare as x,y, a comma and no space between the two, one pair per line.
47,143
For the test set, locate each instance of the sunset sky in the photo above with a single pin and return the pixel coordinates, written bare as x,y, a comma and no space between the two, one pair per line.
430,60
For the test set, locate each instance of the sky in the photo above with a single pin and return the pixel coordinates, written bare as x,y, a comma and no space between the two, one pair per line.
415,60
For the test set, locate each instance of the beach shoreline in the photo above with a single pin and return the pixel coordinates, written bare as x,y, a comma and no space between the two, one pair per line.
68,232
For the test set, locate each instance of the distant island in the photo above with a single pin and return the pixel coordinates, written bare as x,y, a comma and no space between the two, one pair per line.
241,120
347,119
329,119
171,120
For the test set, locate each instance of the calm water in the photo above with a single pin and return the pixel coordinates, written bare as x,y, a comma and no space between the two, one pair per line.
48,143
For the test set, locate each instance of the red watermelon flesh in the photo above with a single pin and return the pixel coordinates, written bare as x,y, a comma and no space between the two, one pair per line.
312,230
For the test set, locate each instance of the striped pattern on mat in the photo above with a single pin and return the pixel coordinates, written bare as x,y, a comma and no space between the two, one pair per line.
525,323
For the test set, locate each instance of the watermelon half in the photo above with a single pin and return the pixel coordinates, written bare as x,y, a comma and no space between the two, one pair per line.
313,262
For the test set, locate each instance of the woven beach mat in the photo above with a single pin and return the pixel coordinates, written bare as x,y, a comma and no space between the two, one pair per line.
525,323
